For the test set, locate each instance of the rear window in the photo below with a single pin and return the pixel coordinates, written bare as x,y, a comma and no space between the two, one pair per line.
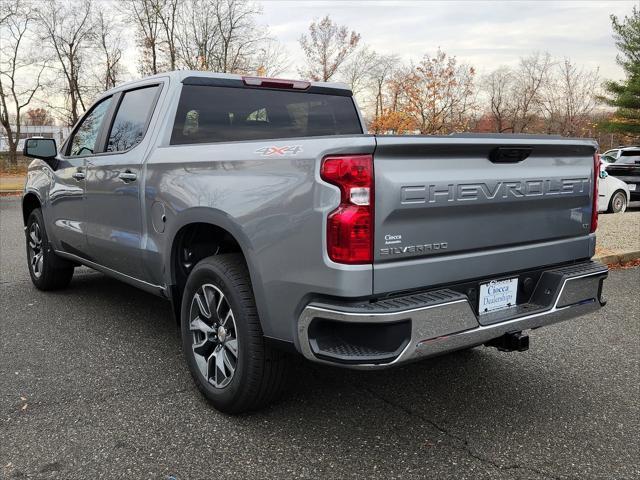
629,156
220,114
131,120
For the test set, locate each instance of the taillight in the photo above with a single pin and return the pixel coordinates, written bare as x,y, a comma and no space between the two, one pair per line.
596,179
350,226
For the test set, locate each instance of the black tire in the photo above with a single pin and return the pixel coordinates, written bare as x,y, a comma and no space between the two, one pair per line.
46,269
618,202
260,370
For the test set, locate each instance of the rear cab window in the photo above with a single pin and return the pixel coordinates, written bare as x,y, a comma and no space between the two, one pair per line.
208,114
131,120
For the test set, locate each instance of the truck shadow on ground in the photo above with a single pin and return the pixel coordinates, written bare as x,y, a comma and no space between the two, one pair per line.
479,387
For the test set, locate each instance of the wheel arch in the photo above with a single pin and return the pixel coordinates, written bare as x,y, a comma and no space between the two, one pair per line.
210,229
627,194
30,202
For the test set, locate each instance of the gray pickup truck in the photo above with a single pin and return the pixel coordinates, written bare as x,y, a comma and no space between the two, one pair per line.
273,223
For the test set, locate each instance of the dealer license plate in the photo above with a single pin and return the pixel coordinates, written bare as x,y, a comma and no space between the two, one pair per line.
498,294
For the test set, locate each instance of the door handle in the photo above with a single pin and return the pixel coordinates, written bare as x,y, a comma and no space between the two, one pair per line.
78,175
127,176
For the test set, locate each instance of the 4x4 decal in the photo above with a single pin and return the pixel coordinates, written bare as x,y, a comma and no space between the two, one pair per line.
285,150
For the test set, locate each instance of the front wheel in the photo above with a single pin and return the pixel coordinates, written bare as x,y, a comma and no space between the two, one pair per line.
618,202
46,269
222,338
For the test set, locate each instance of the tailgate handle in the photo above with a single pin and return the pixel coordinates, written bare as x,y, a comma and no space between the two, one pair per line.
509,154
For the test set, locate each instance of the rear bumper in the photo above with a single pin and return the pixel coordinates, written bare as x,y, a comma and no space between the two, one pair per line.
404,329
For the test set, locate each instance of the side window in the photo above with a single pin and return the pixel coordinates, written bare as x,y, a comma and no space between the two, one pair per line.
629,156
130,122
84,138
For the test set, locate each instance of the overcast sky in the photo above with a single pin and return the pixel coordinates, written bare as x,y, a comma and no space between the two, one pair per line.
483,34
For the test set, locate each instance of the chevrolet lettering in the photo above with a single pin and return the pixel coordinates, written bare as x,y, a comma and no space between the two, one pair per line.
438,193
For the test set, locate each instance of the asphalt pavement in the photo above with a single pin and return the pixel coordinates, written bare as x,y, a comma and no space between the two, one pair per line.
93,385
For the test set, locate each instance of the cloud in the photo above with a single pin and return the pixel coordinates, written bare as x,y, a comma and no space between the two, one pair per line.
484,34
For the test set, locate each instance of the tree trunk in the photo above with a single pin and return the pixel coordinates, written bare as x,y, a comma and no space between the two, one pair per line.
154,58
74,108
13,152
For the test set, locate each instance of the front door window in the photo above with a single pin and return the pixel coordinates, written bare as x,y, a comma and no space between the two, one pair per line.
84,138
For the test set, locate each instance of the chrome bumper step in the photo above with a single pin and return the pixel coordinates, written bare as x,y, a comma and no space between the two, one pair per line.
402,329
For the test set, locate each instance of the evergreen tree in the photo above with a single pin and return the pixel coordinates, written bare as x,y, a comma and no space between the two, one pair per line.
625,95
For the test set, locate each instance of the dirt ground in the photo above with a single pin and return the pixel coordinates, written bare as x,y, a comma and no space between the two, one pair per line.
10,182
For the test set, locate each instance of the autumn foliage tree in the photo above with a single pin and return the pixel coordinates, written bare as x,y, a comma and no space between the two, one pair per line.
393,122
435,96
326,48
38,117
439,94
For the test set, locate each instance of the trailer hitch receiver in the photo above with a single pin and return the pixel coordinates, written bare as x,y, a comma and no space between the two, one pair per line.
511,342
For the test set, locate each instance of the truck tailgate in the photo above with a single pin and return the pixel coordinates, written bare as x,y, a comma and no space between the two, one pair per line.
462,207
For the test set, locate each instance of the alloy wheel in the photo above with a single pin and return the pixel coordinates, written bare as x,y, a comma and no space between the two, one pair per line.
215,342
36,254
619,202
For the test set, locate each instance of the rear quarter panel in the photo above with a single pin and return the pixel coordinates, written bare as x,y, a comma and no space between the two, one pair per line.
274,205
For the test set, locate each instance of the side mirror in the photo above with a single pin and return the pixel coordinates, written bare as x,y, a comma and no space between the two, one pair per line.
603,174
42,148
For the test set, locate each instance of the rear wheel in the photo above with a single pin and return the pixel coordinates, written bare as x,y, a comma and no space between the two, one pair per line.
618,202
47,270
222,339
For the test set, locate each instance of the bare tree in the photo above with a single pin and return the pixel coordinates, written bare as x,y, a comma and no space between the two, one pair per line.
20,71
381,73
515,95
499,85
398,87
326,47
143,14
69,30
9,9
271,59
167,12
220,35
109,37
156,23
530,80
239,35
197,37
569,99
356,72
